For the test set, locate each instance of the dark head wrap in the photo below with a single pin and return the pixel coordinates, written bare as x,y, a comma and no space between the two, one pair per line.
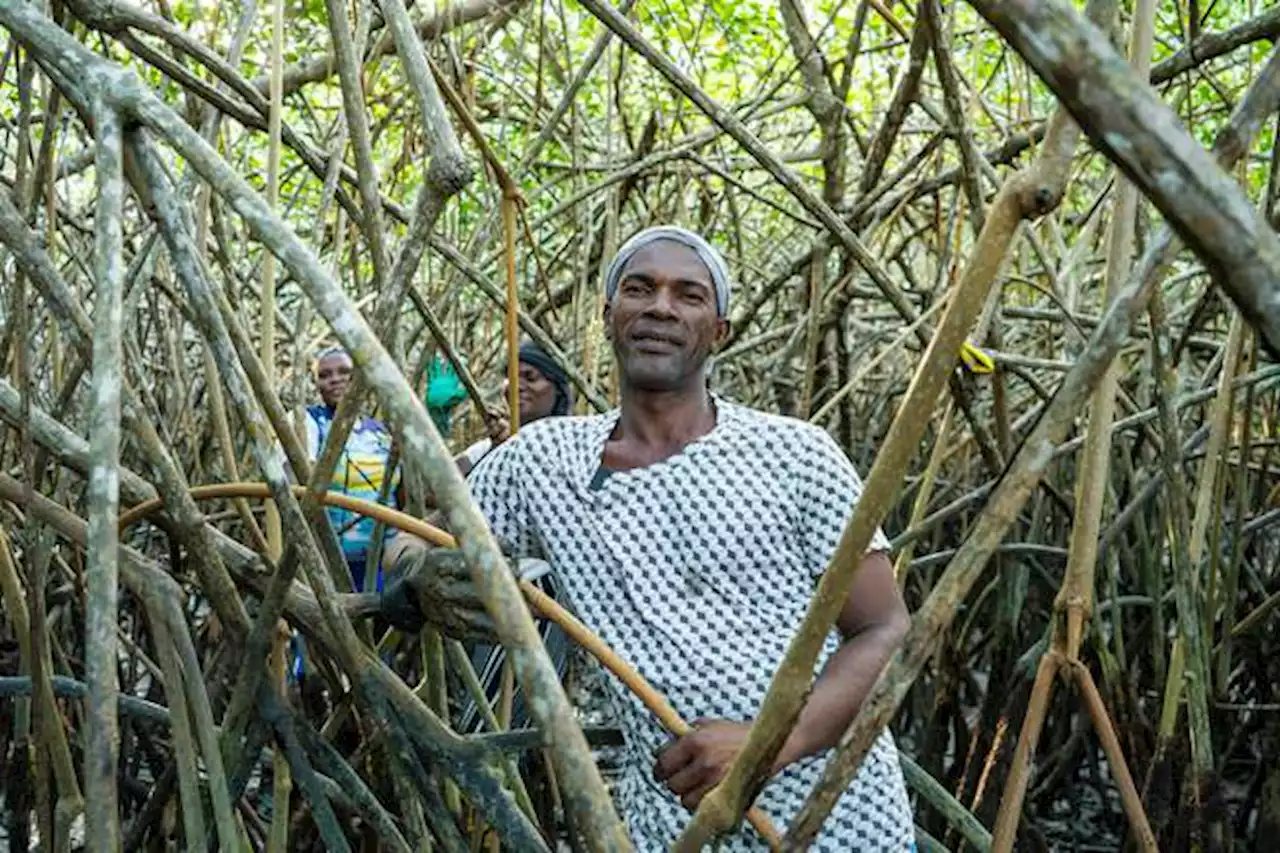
536,357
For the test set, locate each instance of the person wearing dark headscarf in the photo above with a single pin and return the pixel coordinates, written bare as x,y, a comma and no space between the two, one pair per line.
544,393
544,386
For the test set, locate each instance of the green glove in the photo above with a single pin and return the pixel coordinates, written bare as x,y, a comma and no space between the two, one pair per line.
444,392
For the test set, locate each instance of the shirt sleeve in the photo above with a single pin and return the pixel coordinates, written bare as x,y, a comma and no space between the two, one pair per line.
476,452
497,487
826,488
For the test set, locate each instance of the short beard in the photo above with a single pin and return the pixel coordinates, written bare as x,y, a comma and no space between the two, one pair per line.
681,375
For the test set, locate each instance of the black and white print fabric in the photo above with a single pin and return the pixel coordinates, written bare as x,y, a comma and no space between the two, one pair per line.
697,570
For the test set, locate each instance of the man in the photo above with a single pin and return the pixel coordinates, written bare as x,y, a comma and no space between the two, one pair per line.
362,467
544,392
688,533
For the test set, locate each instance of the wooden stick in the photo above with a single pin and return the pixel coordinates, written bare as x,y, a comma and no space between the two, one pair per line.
1115,757
1006,828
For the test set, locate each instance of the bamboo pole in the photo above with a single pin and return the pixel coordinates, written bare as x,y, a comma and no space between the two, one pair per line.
17,615
1219,418
1231,582
1102,724
924,492
513,308
35,767
222,428
817,272
722,807
1189,643
282,777
55,741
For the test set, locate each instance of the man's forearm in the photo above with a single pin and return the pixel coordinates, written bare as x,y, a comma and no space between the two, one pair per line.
840,691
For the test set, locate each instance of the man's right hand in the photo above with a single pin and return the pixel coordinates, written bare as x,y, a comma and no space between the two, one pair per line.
433,585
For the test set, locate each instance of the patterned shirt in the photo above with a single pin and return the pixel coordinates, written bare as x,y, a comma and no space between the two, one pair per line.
360,472
697,570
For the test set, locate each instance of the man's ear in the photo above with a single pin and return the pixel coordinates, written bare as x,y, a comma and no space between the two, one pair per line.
723,328
608,320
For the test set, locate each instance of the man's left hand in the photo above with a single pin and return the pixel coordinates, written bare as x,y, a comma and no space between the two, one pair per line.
694,764
434,585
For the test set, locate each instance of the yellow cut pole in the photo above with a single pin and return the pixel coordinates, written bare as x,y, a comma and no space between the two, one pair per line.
513,311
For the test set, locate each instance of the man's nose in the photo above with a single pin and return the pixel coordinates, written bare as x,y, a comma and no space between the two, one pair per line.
663,302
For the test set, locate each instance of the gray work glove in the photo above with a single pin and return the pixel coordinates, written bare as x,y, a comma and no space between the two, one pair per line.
434,586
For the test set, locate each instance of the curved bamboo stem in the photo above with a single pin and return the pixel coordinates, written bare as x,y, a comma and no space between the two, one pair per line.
539,601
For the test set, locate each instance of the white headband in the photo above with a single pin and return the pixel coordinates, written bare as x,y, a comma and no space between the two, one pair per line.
707,253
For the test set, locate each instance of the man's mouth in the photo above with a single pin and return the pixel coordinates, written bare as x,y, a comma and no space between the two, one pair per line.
650,340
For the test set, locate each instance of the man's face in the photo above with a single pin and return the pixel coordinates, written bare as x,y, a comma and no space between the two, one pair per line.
333,374
537,394
663,320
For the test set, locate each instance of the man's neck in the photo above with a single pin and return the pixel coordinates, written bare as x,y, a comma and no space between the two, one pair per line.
665,420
